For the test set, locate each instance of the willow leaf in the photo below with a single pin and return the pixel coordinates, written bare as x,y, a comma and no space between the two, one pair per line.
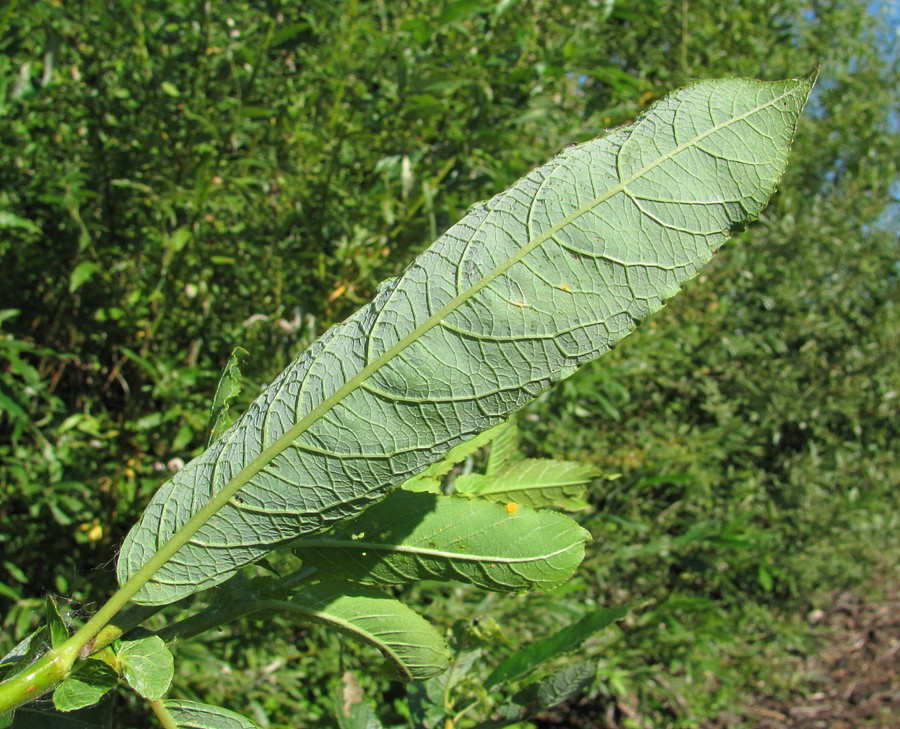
534,482
524,289
431,478
420,536
227,391
415,650
505,447
194,715
147,665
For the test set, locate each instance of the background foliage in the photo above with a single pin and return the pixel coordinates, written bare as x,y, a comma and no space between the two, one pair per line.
179,178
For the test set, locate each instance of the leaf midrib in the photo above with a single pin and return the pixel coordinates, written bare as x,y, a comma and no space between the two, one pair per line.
183,535
358,545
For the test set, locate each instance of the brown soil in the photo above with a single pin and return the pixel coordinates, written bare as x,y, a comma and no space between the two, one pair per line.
854,681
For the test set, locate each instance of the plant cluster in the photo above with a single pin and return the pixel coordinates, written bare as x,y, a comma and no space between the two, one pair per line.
178,179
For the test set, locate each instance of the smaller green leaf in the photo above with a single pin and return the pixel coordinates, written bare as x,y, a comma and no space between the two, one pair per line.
420,536
178,240
414,648
11,220
350,707
505,447
455,455
426,699
58,632
535,482
227,390
565,683
563,641
147,665
86,686
169,89
25,652
549,691
421,484
194,715
81,274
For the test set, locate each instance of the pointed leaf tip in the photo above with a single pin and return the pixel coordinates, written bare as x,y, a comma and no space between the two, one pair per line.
542,278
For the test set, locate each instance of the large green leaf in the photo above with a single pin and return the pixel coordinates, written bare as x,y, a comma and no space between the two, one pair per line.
420,536
525,288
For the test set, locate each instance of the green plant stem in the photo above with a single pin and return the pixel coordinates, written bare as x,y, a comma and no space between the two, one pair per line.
55,665
162,713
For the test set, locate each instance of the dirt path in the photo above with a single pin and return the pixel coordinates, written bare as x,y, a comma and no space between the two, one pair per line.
851,682
854,681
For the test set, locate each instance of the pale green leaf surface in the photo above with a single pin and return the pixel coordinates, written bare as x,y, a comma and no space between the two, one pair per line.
227,391
459,453
420,536
431,479
86,686
147,665
423,483
524,289
194,715
534,482
55,624
505,447
415,650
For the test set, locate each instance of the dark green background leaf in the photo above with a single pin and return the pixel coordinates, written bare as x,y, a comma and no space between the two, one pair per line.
563,641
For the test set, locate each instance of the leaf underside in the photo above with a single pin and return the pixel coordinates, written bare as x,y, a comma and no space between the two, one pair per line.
528,286
194,715
414,649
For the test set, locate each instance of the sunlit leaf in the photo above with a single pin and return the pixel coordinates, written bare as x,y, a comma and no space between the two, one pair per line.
420,536
57,628
505,447
147,665
227,391
415,650
543,277
534,482
81,274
